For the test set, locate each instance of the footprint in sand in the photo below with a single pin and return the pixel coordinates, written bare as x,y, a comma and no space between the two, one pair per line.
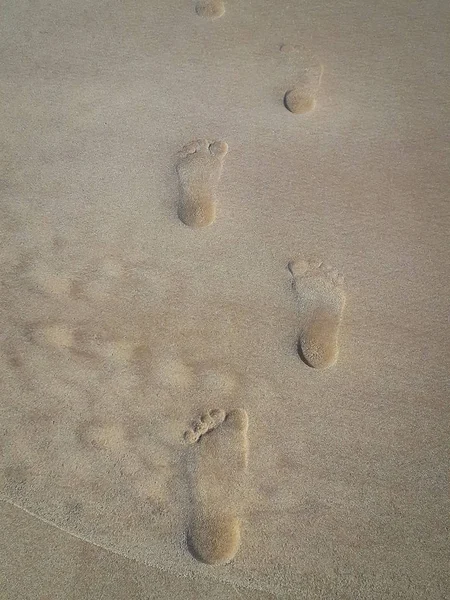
45,279
210,9
102,436
218,462
322,300
199,170
302,98
57,335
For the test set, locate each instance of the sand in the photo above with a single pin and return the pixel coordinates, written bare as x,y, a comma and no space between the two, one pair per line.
121,326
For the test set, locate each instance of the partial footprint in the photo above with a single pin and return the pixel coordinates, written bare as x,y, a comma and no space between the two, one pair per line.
199,170
205,423
210,9
98,281
218,462
57,335
102,436
48,281
322,300
302,98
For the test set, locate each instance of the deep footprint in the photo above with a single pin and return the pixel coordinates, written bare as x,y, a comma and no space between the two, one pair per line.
210,9
199,170
218,462
302,98
322,301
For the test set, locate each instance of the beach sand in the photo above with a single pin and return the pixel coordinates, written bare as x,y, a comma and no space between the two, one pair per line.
215,209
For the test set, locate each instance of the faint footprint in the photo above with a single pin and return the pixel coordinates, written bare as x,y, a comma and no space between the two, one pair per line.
102,343
218,463
57,335
322,301
118,350
48,281
98,282
60,336
102,436
172,373
199,170
302,98
210,9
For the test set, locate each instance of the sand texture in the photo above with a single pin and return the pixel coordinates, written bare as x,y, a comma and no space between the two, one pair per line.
134,338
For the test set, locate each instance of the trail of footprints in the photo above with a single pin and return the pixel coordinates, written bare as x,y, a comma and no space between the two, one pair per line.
217,442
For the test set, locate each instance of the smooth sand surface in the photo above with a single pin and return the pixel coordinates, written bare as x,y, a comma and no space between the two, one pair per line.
120,325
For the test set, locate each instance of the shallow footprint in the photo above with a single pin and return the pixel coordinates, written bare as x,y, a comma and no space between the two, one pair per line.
302,98
218,462
57,335
210,9
322,300
199,170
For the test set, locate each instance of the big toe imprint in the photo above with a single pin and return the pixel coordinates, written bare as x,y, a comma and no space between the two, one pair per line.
199,169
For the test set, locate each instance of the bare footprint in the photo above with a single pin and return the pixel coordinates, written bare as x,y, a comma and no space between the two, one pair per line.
199,170
218,463
302,98
322,301
210,9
